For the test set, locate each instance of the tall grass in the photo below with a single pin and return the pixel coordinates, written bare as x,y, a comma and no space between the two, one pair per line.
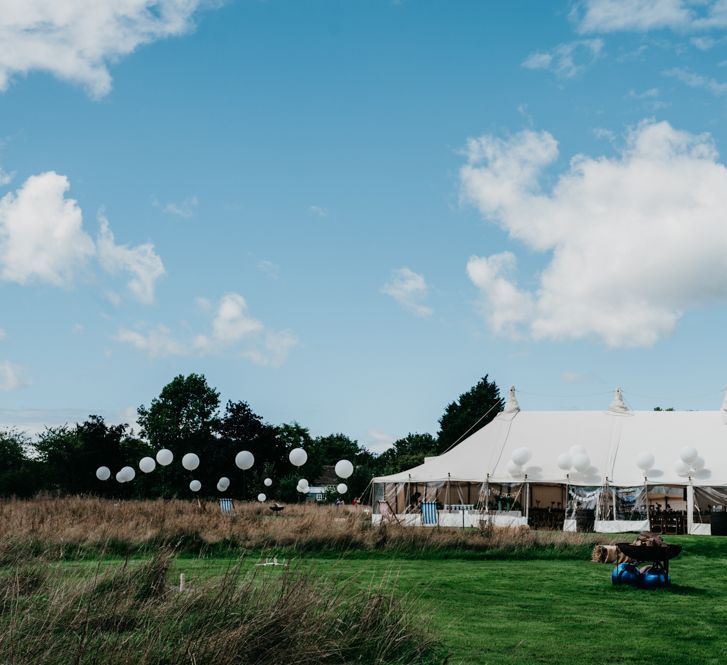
86,527
132,615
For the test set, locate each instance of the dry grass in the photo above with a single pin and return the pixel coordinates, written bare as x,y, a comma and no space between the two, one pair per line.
131,615
78,527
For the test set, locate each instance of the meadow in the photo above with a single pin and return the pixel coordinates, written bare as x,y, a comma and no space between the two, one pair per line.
101,588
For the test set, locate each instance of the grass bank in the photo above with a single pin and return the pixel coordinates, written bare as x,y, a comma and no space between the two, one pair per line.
78,528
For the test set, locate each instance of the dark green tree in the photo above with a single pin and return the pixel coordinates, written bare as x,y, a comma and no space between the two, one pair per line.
242,429
71,455
327,450
469,413
18,474
184,419
406,452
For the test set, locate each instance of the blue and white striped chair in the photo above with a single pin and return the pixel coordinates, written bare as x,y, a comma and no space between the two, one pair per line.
430,516
226,506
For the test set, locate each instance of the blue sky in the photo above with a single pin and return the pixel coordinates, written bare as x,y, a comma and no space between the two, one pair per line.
347,212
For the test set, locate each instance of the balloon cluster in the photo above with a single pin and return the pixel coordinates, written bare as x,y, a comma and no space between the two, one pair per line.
518,460
576,458
244,460
689,462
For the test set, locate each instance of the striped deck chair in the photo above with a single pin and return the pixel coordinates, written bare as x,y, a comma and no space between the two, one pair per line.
430,516
226,506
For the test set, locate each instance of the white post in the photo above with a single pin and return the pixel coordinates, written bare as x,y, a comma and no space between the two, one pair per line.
690,506
181,582
527,498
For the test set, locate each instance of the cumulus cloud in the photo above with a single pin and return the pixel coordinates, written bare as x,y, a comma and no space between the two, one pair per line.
630,241
409,289
11,376
644,15
41,232
231,330
76,40
141,263
566,60
42,239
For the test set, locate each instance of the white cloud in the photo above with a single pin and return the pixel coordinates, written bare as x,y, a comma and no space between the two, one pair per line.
76,40
142,263
379,441
42,239
41,234
231,324
409,289
271,269
5,177
232,331
185,209
631,242
319,211
644,15
694,80
566,60
156,341
11,376
3,334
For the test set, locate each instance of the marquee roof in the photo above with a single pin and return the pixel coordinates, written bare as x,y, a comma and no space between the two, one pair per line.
612,439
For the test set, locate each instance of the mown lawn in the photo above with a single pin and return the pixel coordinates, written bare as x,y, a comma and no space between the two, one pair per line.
540,611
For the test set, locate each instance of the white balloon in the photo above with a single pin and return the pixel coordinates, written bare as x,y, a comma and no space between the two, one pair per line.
195,486
303,490
267,482
645,461
103,473
298,457
190,461
574,450
261,497
681,467
128,474
344,469
698,463
147,464
688,454
120,477
303,483
221,488
521,456
342,488
244,460
165,457
224,483
564,461
581,462
515,470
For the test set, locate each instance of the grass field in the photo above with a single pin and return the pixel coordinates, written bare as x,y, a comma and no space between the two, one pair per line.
352,593
536,611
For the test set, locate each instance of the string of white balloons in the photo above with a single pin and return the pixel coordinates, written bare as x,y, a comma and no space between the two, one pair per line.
244,460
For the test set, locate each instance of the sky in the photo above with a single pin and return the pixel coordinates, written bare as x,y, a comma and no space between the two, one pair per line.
346,213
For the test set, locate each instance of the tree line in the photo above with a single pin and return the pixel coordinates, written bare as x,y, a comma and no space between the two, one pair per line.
188,416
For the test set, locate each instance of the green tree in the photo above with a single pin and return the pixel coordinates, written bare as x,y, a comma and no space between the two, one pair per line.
327,450
469,413
18,477
406,452
71,455
242,429
184,419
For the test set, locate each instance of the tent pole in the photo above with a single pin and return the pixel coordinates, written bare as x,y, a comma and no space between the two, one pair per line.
449,494
567,498
527,499
613,494
646,503
690,506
